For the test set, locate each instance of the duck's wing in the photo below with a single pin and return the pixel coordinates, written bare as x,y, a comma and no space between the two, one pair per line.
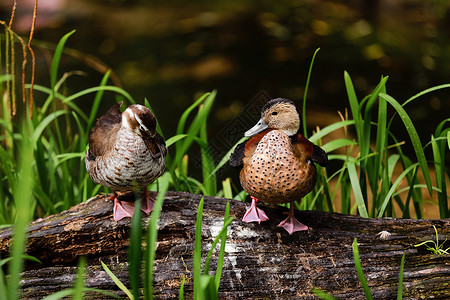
236,158
156,145
103,136
305,149
319,156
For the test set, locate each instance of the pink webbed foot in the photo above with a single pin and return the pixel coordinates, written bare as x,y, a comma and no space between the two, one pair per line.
124,209
291,224
147,203
254,214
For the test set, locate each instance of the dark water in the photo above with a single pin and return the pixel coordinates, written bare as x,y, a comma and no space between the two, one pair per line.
172,52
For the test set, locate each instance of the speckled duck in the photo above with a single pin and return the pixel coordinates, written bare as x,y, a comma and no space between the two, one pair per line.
277,162
126,154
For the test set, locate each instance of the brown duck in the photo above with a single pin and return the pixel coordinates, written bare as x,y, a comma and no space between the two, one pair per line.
277,162
126,154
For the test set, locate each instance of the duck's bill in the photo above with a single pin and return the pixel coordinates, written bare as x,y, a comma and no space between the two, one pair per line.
259,127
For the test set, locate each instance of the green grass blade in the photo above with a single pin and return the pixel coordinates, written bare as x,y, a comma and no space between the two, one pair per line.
44,123
359,270
400,278
186,113
3,286
354,105
381,128
209,177
181,293
151,237
197,259
6,77
322,295
338,143
415,140
439,158
79,282
305,131
88,91
116,280
432,89
362,209
182,146
98,98
23,202
392,190
223,242
226,157
227,190
227,222
380,147
59,295
175,139
364,147
135,249
330,128
411,187
57,58
207,288
448,140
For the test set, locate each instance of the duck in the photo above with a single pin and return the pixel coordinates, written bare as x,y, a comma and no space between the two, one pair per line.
277,162
126,154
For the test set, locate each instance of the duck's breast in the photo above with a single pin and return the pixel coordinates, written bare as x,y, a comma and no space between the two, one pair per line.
275,173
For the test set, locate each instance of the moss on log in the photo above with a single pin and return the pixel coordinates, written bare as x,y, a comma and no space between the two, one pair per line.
261,261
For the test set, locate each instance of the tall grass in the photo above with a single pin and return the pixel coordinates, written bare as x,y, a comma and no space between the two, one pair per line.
370,175
22,190
59,132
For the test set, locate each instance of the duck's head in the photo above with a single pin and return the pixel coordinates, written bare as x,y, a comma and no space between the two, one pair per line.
140,120
279,114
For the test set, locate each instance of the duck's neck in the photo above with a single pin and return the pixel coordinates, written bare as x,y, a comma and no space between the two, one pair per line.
290,131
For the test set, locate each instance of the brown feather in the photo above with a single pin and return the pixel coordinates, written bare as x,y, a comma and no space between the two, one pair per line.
302,146
103,136
156,145
275,170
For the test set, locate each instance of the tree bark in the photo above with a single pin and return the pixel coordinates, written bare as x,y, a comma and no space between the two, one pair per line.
261,261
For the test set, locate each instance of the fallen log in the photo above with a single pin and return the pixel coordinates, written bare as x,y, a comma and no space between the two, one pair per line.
261,261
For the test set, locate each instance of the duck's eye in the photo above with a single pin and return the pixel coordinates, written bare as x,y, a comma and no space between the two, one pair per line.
274,113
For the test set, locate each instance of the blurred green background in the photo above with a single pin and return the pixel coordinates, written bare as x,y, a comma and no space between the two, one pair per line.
172,51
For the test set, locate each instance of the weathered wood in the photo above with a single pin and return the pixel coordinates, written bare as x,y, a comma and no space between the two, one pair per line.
261,261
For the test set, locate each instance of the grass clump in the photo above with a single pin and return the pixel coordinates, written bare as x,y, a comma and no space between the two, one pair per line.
369,175
435,247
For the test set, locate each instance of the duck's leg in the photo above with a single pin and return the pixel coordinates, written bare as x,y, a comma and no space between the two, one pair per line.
291,224
124,209
254,214
147,202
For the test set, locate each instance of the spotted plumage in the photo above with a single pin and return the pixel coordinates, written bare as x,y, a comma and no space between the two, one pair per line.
126,154
277,161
